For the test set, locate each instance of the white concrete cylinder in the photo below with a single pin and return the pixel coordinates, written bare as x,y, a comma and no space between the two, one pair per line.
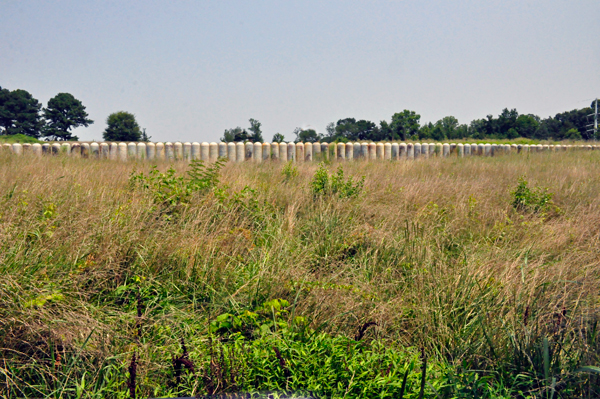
349,151
460,150
395,151
213,151
364,151
325,151
266,151
141,151
403,151
231,153
410,151
104,150
46,150
113,151
439,149
424,150
248,151
387,151
453,148
131,150
299,152
495,150
379,149
94,150
122,151
27,147
187,151
308,152
178,150
169,151
317,151
195,150
372,151
257,153
75,150
467,150
37,149
240,152
356,151
150,151
473,149
417,150
65,148
445,150
275,151
222,150
341,151
291,152
161,154
85,150
487,150
17,149
283,152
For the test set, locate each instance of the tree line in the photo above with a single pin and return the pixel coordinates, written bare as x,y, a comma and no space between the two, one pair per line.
21,113
406,125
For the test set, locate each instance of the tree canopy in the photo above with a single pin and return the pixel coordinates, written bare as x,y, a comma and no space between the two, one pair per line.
20,113
63,113
122,126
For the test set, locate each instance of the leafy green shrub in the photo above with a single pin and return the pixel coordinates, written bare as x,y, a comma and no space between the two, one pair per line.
526,199
289,171
171,192
324,183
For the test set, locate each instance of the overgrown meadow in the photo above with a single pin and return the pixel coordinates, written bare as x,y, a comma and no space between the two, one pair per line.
448,278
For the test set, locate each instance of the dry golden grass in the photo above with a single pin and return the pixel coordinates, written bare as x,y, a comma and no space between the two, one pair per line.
432,251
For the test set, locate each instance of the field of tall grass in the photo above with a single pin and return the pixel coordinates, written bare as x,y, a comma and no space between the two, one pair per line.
448,278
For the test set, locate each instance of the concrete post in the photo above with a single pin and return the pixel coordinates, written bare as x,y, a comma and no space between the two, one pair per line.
445,150
300,152
403,154
439,149
349,151
222,150
341,151
27,147
94,150
266,151
460,150
453,148
150,151
424,150
473,149
178,149
417,150
325,151
364,151
37,149
75,150
308,152
231,152
161,154
240,153
395,151
169,151
291,152
467,150
387,151
46,150
85,150
514,148
257,153
195,150
275,151
187,151
65,148
356,151
55,148
487,150
379,149
249,151
410,151
283,152
213,151
122,151
495,151
204,151
317,151
141,151
17,149
372,151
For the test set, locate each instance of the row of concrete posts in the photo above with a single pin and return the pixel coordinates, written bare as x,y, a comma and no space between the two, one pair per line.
297,152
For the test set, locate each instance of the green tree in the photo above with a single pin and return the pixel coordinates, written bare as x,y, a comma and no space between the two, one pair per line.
306,136
64,112
405,124
278,138
234,135
20,113
256,135
122,126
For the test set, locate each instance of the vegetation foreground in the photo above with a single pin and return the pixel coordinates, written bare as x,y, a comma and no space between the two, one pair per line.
452,278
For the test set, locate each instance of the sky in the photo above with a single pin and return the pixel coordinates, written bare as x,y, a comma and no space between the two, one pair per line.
188,70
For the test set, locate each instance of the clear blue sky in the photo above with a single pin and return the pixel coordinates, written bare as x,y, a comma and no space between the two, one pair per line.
190,69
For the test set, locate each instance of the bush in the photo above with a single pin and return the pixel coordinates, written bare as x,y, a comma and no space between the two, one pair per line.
530,200
324,183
